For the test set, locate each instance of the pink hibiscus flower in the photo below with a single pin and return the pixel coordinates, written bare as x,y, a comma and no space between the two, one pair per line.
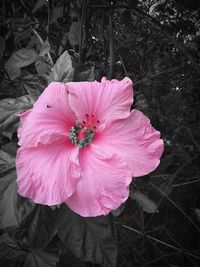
81,144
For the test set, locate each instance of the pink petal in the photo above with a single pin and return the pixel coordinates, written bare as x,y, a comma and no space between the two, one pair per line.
135,140
44,126
103,185
47,174
108,99
50,119
55,96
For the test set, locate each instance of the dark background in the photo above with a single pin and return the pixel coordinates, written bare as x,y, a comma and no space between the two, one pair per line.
157,45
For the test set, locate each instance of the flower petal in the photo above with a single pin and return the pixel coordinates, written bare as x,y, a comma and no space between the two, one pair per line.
135,140
55,96
103,185
44,126
47,174
108,99
49,120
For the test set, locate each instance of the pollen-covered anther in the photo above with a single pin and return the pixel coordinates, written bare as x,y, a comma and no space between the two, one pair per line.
91,120
82,134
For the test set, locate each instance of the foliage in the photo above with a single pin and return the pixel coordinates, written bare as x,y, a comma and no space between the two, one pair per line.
156,44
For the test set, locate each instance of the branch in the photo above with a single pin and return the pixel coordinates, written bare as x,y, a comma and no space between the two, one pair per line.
82,29
111,48
176,205
164,31
156,24
185,251
49,16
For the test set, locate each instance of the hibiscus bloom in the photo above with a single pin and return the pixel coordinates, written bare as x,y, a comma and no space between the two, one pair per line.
81,145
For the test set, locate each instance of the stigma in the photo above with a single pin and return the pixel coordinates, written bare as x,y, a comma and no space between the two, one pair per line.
83,132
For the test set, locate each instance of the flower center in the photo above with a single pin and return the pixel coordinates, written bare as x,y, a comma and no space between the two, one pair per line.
82,134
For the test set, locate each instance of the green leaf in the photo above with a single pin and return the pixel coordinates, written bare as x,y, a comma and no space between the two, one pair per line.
144,201
9,107
19,59
90,239
74,34
62,70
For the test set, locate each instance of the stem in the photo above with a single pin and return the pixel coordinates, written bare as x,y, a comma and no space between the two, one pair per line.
82,29
111,48
49,13
175,205
4,12
160,241
123,65
171,180
41,42
186,183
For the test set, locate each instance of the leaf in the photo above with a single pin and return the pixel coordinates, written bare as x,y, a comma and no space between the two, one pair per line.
34,85
38,5
63,43
35,223
74,34
45,48
8,198
166,162
10,251
16,255
197,212
119,210
24,207
41,66
8,135
9,107
147,204
87,75
10,148
6,161
38,228
69,260
90,239
165,187
13,208
57,11
2,46
19,59
41,258
62,70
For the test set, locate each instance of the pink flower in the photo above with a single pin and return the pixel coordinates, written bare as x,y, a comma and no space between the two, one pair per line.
81,145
